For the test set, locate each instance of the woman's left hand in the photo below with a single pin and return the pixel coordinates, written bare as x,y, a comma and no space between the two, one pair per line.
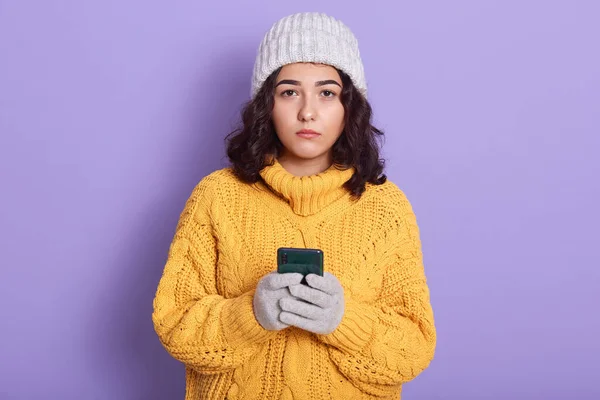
318,307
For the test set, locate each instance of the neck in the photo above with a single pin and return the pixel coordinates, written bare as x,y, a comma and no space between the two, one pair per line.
305,167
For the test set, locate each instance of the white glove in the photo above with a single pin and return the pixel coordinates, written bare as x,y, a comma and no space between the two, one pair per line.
269,291
317,308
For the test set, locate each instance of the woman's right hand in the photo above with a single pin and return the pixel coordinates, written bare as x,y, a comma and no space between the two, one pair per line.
270,289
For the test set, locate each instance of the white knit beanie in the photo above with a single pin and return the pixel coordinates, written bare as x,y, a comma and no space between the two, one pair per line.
309,37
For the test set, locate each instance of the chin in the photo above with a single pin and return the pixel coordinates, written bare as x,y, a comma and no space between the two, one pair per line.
308,154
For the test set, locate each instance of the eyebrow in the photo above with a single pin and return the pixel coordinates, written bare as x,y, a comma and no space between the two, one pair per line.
297,83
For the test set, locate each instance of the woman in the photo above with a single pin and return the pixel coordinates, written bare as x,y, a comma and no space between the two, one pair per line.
305,173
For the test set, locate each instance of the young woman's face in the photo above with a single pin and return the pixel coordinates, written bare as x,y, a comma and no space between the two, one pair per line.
308,114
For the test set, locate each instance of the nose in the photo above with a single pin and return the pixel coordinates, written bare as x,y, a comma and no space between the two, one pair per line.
308,111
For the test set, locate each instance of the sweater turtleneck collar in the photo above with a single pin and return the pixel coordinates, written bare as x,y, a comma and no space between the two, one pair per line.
307,195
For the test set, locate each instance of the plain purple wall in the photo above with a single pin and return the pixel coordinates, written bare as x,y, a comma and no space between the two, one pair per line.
111,111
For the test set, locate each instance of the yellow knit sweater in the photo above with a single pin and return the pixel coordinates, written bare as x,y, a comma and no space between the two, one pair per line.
227,239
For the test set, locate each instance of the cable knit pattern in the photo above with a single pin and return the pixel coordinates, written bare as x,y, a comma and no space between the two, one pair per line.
226,240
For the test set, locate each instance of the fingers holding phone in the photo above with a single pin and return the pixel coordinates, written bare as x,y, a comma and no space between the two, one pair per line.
269,291
318,307
299,294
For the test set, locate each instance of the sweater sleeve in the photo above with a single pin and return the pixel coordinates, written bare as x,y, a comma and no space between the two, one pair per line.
382,345
195,324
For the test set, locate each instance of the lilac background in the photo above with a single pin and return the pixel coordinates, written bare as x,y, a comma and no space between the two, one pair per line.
111,111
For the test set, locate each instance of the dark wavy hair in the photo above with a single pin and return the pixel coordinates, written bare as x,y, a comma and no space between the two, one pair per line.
250,146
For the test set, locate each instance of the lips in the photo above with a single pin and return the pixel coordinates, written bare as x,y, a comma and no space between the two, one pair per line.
308,134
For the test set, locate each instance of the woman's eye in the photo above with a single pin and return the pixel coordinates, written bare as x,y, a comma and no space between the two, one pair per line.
328,93
288,92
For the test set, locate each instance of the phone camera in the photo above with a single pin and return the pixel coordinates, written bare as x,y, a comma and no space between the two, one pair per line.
284,258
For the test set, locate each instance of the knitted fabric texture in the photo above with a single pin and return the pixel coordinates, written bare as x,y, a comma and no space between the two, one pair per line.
309,37
226,241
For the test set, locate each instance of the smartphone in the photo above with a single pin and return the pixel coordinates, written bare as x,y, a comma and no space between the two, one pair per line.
304,261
